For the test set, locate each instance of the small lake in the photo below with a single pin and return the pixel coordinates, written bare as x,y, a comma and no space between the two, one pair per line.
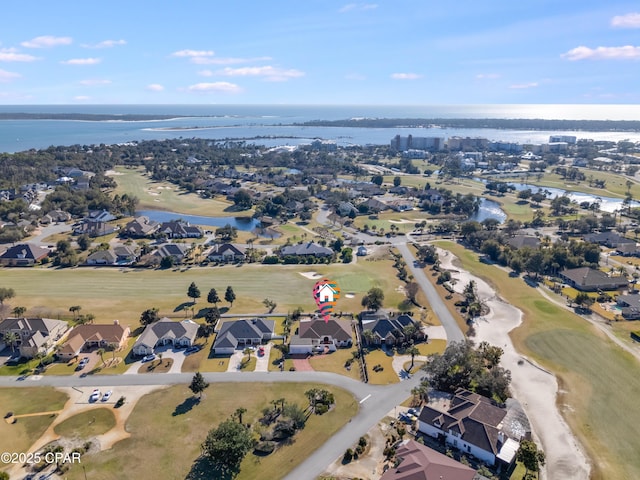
241,223
489,209
607,204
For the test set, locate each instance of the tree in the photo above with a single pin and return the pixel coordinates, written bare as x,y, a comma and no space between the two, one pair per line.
242,199
412,289
227,233
397,181
373,299
167,262
198,384
413,351
239,412
530,456
212,315
149,316
100,352
227,445
193,291
11,338
247,351
84,242
75,309
6,294
270,304
377,179
18,311
295,413
213,297
230,296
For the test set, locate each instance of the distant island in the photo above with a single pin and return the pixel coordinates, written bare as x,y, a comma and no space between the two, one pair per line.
494,123
90,117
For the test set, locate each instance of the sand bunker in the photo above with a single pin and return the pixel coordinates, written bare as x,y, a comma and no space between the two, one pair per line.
311,275
349,295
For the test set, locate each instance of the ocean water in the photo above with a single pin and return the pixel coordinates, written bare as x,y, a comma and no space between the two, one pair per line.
271,124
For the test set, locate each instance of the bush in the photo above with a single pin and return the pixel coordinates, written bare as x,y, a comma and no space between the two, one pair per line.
270,259
321,408
265,448
348,456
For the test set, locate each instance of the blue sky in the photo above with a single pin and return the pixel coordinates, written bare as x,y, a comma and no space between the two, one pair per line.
320,52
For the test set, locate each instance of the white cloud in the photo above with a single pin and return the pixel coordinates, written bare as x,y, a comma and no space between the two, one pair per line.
628,52
94,82
8,76
106,44
82,61
630,20
81,98
11,55
405,76
270,73
155,87
193,53
224,87
226,60
355,7
522,86
47,41
487,76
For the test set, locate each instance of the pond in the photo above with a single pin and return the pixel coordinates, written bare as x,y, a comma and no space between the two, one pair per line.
241,223
489,209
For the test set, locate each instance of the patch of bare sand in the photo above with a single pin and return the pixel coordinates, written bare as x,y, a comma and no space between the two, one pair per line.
78,403
311,275
534,387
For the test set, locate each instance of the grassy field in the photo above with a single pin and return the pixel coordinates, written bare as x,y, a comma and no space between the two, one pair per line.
599,381
166,196
87,424
334,362
123,294
387,375
18,437
167,430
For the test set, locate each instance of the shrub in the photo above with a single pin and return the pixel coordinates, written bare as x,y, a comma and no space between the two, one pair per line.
265,448
362,442
321,408
348,456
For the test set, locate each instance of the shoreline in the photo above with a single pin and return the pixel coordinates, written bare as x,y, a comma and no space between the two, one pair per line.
536,388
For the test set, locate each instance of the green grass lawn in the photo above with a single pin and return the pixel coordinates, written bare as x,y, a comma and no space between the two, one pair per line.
167,430
166,196
124,294
248,364
18,437
334,362
387,375
87,424
599,380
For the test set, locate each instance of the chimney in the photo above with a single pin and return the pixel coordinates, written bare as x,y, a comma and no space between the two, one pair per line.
116,322
500,438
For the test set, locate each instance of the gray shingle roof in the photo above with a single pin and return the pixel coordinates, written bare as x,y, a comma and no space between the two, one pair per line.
309,248
167,328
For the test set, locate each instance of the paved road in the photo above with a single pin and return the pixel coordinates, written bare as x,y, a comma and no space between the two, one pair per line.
47,231
454,334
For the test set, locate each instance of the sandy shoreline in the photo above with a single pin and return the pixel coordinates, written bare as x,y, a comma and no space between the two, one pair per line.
534,387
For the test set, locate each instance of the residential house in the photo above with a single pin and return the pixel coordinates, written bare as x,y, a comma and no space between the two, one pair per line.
388,331
55,216
140,227
35,335
117,255
96,224
165,332
175,250
238,333
316,334
472,424
415,461
180,229
306,249
520,241
629,306
23,255
86,337
629,249
587,279
400,205
346,209
227,252
607,239
373,205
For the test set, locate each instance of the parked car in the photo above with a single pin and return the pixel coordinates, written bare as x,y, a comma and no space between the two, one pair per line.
192,349
148,358
107,395
261,351
83,363
414,411
95,396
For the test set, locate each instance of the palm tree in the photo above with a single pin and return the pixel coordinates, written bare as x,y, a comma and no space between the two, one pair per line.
239,412
75,309
19,311
413,351
101,353
11,339
247,351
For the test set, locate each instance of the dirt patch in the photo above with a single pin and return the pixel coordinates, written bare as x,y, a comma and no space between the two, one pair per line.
311,275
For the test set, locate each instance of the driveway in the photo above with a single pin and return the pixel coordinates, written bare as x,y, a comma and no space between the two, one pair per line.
236,360
262,363
177,355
